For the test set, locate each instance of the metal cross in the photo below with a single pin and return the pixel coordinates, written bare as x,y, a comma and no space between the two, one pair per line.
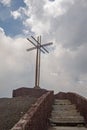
40,48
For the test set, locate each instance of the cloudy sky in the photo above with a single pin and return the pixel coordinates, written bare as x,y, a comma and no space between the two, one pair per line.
64,22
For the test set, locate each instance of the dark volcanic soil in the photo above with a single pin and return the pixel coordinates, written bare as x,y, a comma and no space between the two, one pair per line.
11,109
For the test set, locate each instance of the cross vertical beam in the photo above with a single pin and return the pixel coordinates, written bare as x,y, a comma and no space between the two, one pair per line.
37,75
40,48
39,62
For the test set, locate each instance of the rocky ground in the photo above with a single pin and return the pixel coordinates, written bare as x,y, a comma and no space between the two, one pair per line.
11,109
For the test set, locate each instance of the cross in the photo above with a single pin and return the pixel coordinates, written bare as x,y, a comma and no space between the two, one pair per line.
40,48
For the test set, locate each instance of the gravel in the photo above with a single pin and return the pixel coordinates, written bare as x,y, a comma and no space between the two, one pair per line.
12,109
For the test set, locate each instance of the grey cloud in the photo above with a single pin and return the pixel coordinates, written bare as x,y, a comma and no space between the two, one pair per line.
70,29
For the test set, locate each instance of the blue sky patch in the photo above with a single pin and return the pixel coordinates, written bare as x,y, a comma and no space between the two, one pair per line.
17,4
11,27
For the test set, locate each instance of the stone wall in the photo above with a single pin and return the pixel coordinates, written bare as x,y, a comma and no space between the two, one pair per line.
60,95
78,100
37,116
28,91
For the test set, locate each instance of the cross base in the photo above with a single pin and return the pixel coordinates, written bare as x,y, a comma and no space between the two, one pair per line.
36,87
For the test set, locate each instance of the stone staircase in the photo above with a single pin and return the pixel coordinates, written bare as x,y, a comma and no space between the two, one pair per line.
65,116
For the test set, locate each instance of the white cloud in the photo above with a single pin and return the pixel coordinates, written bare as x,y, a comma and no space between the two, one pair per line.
2,31
56,8
5,2
15,14
41,15
37,25
16,63
18,13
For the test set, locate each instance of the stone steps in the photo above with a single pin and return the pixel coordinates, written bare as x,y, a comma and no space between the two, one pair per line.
64,102
67,128
69,113
65,113
64,107
68,119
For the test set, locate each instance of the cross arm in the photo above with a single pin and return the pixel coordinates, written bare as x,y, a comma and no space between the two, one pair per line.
31,42
35,45
40,45
30,49
47,44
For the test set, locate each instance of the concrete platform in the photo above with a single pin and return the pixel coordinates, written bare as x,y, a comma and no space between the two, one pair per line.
67,128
